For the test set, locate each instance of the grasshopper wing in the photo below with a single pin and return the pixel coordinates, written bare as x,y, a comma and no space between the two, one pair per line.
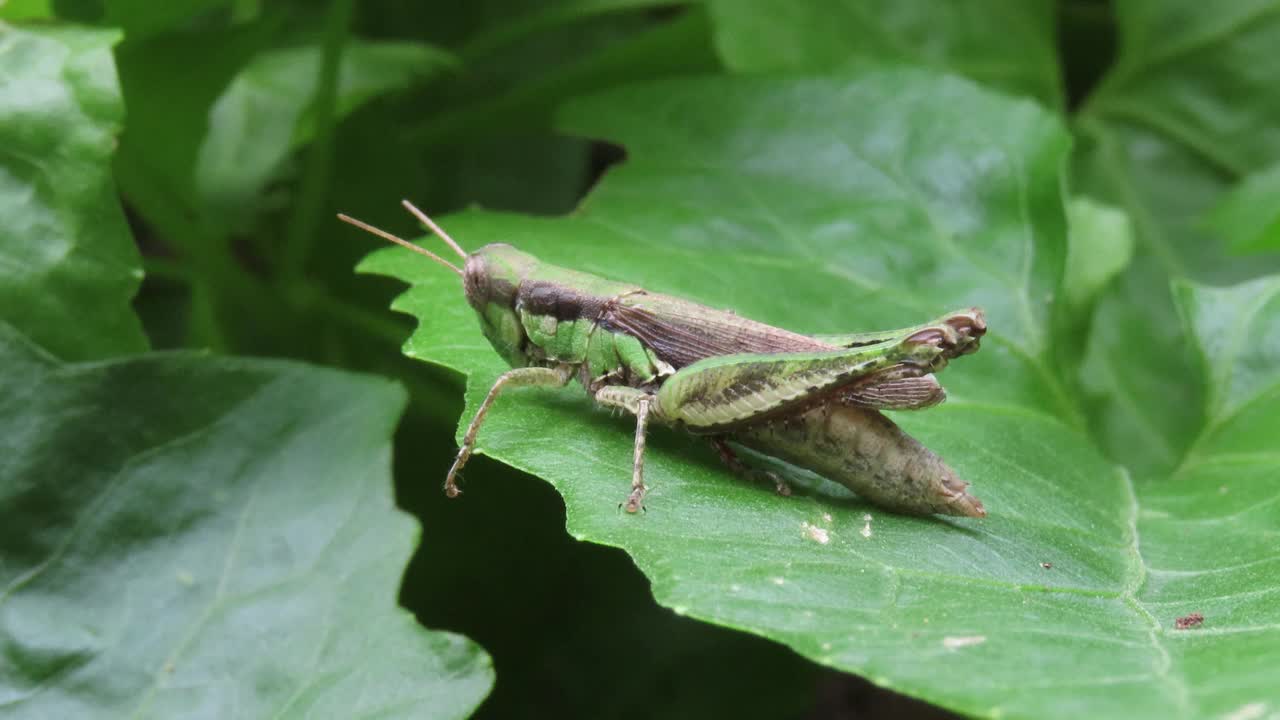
681,332
723,393
903,393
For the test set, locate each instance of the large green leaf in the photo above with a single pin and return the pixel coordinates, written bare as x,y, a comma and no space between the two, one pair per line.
852,209
1008,44
190,536
68,267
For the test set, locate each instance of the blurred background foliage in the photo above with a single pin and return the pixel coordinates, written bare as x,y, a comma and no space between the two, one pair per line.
250,123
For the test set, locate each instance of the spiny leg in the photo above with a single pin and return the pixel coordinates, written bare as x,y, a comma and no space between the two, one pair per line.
519,377
731,459
636,499
636,402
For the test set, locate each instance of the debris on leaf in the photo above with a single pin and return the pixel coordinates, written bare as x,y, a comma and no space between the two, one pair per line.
1186,622
952,643
817,534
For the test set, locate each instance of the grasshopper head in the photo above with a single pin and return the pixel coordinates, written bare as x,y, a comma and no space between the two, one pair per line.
490,279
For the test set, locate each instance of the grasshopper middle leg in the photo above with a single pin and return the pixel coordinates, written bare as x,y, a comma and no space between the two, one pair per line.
636,402
519,377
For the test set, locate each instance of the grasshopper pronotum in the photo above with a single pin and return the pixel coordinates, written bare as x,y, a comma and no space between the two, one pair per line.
810,400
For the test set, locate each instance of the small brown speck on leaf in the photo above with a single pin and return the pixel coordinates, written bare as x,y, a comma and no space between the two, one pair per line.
1046,565
1186,622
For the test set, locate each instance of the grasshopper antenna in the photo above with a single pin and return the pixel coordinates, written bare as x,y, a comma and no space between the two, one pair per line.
401,242
439,231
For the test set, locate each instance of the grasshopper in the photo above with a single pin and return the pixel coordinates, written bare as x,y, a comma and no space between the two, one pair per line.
810,400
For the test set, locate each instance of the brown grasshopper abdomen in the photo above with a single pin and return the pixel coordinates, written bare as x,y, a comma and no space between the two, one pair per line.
869,454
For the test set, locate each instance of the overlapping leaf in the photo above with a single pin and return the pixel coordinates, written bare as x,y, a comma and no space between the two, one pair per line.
181,535
190,536
68,267
1248,217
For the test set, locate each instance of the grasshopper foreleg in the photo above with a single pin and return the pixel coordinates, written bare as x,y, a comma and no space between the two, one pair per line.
734,463
519,377
636,402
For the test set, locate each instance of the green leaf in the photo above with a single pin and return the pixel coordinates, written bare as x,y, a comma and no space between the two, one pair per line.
25,9
546,16
1144,413
1187,110
1101,246
262,116
1248,216
140,18
1008,44
1189,105
1099,249
181,534
1198,75
169,84
854,209
189,535
68,267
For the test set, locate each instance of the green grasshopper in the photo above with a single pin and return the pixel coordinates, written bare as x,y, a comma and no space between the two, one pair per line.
810,400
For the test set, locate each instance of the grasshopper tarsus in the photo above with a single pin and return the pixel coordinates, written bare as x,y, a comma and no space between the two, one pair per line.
634,503
451,488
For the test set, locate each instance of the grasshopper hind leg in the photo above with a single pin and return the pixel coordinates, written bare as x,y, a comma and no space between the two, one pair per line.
730,458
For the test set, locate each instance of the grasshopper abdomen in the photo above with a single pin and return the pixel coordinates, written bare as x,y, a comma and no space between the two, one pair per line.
869,454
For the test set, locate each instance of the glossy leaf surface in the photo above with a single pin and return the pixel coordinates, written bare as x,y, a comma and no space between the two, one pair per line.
858,208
